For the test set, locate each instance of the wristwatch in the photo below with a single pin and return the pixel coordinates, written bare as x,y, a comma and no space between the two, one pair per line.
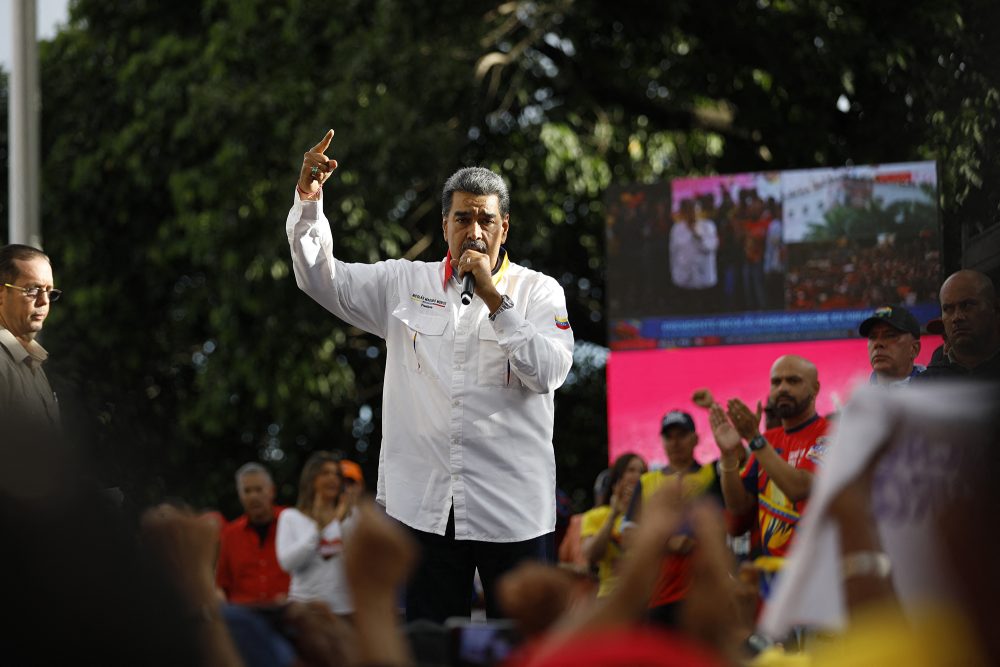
505,304
758,442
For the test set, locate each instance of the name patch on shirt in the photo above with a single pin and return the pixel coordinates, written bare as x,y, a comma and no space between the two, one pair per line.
427,302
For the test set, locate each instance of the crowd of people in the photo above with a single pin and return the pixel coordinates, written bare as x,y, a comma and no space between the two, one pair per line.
674,566
763,480
726,253
853,274
721,256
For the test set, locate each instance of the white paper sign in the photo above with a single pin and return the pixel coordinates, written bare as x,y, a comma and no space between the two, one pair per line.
929,431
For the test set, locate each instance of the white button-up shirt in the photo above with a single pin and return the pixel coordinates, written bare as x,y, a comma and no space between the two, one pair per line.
692,254
314,559
467,404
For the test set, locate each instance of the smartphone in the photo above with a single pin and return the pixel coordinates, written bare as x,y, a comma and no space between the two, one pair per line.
475,644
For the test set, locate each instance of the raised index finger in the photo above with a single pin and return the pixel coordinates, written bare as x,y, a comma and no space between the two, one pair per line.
323,144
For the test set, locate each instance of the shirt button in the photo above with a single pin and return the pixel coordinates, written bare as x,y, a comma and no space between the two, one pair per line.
456,403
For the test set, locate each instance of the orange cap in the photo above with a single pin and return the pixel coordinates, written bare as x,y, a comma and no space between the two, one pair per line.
351,470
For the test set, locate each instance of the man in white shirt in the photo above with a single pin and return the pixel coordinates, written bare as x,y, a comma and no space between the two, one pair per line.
693,242
466,459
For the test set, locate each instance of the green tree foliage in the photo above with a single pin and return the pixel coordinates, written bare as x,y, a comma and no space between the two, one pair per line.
172,133
907,218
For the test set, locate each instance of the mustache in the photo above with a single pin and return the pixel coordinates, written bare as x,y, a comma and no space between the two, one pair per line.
478,246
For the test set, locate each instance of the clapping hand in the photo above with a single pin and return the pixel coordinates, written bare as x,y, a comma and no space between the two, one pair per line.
621,496
726,436
323,512
747,423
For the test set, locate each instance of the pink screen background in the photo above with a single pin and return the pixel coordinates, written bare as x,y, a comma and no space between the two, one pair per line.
643,385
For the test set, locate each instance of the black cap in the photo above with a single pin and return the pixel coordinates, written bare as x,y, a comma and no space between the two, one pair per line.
677,418
896,317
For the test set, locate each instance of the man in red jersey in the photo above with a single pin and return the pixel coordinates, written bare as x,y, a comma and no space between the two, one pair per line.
778,476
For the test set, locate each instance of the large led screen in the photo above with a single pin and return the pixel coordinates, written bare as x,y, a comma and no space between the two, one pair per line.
768,257
711,279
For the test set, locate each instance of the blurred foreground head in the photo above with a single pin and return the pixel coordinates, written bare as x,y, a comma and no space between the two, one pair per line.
76,585
970,538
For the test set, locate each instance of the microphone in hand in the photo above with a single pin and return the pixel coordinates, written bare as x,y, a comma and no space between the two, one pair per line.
468,288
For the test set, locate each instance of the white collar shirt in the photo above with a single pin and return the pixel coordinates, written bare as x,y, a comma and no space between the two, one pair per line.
467,405
692,254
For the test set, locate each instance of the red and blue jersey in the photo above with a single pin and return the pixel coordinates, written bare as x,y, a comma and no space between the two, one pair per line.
803,448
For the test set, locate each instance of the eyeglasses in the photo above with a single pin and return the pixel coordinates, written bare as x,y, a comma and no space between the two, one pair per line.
33,292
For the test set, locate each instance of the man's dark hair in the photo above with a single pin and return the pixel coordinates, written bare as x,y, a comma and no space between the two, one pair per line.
476,181
16,252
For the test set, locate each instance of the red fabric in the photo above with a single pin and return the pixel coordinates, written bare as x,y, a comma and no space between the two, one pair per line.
756,238
674,580
627,647
800,446
247,572
571,547
777,517
447,268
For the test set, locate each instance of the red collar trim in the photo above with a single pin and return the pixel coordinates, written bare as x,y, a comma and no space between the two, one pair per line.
498,272
447,270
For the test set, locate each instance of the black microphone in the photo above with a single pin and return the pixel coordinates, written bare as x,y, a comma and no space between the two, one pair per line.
468,288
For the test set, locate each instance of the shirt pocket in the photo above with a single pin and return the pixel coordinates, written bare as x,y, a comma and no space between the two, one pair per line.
424,338
494,365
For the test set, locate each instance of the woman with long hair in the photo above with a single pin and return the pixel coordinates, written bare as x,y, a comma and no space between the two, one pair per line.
310,537
600,533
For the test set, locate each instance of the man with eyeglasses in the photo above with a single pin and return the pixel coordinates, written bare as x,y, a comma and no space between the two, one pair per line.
25,296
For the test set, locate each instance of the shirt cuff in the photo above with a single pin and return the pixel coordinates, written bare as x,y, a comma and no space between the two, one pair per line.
506,324
310,208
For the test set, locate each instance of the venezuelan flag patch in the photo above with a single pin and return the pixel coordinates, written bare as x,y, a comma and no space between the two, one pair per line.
562,322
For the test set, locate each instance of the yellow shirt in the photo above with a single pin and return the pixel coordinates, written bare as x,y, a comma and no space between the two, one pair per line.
607,567
937,638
